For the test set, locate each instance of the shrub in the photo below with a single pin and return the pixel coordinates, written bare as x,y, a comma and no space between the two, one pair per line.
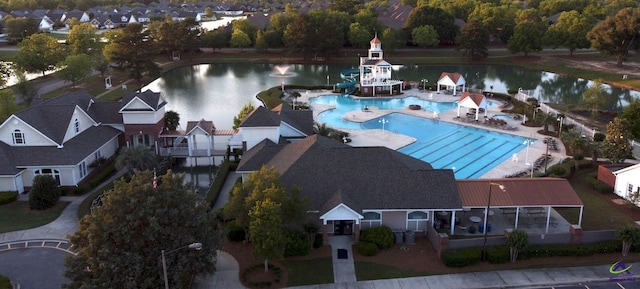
381,236
462,257
599,137
367,249
8,197
498,255
44,192
318,241
559,171
297,243
235,232
5,282
592,180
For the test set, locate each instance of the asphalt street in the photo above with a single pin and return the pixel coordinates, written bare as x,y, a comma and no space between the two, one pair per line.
34,268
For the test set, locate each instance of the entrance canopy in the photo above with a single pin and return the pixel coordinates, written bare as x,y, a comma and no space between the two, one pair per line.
341,212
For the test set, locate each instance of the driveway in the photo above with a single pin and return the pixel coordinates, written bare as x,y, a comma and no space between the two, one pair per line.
34,268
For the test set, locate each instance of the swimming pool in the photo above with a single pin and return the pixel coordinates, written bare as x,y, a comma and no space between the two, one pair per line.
469,151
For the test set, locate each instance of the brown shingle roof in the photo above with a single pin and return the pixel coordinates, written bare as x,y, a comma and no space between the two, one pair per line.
475,97
522,192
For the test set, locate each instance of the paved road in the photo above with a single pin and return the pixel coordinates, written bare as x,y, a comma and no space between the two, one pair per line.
34,268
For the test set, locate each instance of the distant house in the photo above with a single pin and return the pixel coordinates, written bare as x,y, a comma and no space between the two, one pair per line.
77,14
45,24
627,183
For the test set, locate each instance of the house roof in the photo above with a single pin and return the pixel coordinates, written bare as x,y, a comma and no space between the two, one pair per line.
476,98
74,150
206,126
261,117
330,172
301,120
152,99
7,165
455,77
519,192
635,167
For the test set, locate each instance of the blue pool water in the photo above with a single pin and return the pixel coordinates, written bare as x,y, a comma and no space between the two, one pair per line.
469,151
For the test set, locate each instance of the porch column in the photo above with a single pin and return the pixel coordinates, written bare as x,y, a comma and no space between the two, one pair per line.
576,234
325,235
356,233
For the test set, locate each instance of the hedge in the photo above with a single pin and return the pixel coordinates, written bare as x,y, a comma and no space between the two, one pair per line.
297,243
8,197
381,236
592,180
221,177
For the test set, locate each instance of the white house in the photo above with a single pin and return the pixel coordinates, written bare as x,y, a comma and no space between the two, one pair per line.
376,73
627,182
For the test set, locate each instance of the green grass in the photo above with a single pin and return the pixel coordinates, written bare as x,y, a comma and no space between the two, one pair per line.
373,271
598,214
18,216
309,272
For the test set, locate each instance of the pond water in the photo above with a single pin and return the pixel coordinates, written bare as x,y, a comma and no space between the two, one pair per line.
217,91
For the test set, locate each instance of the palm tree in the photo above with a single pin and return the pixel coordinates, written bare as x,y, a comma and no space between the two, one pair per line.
322,129
171,120
138,157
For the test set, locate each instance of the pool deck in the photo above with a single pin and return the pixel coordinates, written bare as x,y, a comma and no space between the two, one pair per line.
378,137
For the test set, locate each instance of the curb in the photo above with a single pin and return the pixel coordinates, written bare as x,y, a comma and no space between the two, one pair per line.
57,244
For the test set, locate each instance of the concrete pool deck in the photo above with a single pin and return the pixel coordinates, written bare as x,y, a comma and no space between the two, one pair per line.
378,137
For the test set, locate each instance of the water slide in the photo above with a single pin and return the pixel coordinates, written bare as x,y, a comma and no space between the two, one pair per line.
349,77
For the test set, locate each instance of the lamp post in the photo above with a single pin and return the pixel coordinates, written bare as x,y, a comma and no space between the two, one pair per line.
546,154
192,246
327,80
424,84
383,121
528,143
561,120
486,215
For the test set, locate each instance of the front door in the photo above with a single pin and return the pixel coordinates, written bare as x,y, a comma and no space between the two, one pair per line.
343,227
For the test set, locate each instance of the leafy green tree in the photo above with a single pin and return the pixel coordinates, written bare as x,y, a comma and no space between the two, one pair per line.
39,53
131,49
8,105
23,87
460,9
359,36
617,35
261,43
171,120
83,38
473,40
517,240
5,73
390,40
629,235
570,31
208,12
631,114
240,39
442,21
595,96
76,67
176,36
425,36
100,63
526,38
551,7
247,27
44,192
616,146
119,244
244,111
19,29
216,39
266,232
136,158
349,6
497,19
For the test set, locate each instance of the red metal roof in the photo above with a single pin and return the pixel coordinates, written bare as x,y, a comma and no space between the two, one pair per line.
519,192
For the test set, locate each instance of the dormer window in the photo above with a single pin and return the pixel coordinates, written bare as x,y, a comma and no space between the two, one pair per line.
76,124
18,137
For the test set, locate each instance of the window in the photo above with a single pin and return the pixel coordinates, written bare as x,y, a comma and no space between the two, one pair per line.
371,220
82,169
370,216
76,124
629,188
18,137
51,172
418,215
97,155
417,221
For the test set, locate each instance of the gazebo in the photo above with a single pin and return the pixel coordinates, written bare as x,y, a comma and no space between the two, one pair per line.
451,81
475,101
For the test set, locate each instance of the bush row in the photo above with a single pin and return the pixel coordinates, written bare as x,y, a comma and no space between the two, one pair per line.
593,182
8,197
500,254
95,181
567,167
221,177
381,236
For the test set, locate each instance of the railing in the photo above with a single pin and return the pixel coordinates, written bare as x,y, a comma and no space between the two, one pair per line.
184,152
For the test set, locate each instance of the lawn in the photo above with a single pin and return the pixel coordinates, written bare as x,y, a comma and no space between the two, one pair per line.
18,216
374,271
308,272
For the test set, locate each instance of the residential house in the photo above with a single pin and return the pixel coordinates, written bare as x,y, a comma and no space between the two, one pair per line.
200,144
143,117
627,184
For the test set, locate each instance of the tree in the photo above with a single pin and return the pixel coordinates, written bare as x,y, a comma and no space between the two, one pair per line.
629,235
247,27
176,36
8,105
135,158
595,96
266,232
19,29
473,40
570,31
517,240
5,73
132,49
616,146
526,38
44,192
389,40
631,114
244,111
441,21
261,43
23,87
100,63
618,34
76,67
359,36
239,39
497,19
349,6
83,38
120,243
216,39
425,36
171,120
39,53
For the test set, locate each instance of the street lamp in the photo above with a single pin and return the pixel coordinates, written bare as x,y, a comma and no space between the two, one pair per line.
486,215
561,120
546,154
526,159
383,121
192,246
327,80
424,84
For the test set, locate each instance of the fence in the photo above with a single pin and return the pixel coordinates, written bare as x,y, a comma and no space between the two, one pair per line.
636,149
588,237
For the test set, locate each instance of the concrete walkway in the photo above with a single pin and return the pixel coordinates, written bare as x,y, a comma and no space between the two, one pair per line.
344,270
